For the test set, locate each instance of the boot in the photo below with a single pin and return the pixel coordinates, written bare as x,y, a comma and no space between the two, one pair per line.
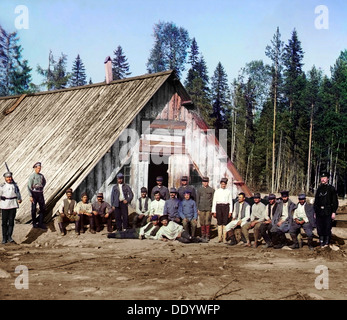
220,234
224,234
77,227
9,234
207,234
310,243
321,241
233,241
62,229
203,232
4,235
295,244
327,241
276,241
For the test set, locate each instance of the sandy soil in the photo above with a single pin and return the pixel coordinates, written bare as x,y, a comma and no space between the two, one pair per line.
95,267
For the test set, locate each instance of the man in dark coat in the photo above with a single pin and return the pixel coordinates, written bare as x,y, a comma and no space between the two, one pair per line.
325,206
266,226
121,196
164,191
303,217
282,220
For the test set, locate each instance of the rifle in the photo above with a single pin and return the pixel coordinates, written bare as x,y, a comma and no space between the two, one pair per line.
8,170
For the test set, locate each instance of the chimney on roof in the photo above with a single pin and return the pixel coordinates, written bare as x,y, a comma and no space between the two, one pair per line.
108,70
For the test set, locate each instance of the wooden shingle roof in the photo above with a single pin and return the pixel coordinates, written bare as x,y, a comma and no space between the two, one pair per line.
68,130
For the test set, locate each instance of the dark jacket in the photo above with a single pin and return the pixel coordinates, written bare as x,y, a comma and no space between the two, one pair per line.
310,214
128,195
325,201
278,214
204,198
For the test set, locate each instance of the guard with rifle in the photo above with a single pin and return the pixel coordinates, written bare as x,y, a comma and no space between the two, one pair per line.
10,199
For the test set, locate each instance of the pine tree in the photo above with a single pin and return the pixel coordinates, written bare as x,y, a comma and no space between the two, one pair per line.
296,123
220,93
15,73
120,65
170,48
197,83
78,74
275,53
55,76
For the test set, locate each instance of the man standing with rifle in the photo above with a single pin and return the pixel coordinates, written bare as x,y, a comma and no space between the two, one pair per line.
10,197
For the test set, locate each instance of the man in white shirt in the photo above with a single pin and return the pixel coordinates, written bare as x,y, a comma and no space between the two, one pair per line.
303,217
10,197
258,214
143,206
157,205
222,208
241,215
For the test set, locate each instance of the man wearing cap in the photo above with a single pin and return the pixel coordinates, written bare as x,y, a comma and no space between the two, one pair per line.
148,231
157,205
102,213
84,210
257,217
10,198
184,186
164,191
188,213
282,220
204,198
222,208
325,206
241,215
121,197
266,226
303,217
67,213
36,184
143,205
171,207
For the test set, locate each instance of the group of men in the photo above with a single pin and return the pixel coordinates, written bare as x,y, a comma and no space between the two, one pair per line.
173,214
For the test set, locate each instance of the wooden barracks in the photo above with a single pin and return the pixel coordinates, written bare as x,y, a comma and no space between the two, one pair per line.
84,136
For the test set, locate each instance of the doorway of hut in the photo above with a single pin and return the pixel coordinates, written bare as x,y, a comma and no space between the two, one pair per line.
158,166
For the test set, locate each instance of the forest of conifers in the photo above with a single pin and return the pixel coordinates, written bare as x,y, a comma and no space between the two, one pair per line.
285,126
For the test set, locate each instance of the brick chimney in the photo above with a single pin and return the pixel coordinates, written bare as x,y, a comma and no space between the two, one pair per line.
108,70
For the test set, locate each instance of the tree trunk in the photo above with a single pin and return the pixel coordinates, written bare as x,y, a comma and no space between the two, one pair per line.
309,152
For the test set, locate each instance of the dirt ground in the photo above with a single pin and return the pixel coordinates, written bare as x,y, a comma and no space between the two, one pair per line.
95,267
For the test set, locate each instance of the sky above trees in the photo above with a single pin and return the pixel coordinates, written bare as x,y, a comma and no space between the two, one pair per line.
228,31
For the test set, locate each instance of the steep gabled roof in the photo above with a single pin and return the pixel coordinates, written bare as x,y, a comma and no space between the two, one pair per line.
69,130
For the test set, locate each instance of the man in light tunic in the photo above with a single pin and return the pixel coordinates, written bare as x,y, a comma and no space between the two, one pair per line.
10,198
258,214
157,205
303,217
241,215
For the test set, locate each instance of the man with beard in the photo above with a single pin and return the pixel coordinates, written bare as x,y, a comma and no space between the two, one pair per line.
267,224
171,207
282,220
325,206
67,213
303,217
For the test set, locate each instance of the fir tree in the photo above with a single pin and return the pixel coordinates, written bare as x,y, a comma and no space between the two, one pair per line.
220,97
120,65
15,73
78,74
